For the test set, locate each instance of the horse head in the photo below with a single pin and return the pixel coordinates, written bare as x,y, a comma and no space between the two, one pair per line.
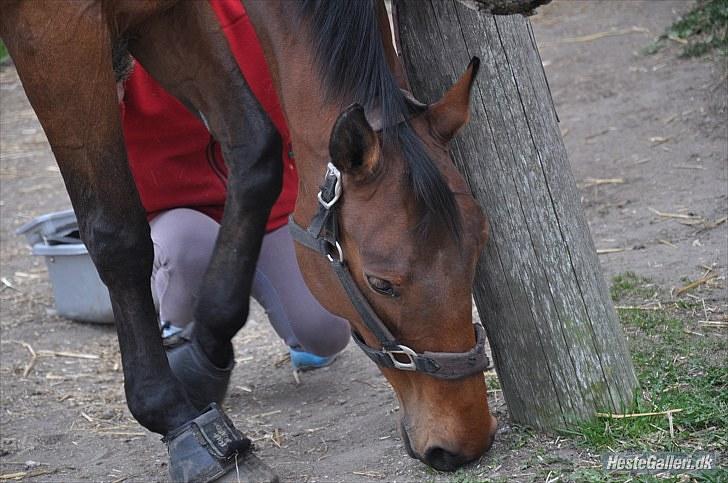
413,261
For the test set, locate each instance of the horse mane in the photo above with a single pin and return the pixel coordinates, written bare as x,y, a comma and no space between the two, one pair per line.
121,59
350,56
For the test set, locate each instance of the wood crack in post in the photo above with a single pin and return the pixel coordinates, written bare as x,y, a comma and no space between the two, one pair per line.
554,213
614,395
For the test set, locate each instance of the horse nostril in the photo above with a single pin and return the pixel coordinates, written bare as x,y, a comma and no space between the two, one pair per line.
443,460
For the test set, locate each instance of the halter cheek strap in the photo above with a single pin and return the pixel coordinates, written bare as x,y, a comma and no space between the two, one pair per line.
322,236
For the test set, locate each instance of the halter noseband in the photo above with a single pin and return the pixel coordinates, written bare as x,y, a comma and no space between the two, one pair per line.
322,236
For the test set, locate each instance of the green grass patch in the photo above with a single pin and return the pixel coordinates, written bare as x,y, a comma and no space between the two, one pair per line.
702,30
492,381
594,475
3,52
676,370
463,476
629,285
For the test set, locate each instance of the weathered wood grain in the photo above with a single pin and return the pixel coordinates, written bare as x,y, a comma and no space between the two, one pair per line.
558,347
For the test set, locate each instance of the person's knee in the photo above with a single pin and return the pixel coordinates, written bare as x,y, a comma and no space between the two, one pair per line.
189,255
184,240
322,333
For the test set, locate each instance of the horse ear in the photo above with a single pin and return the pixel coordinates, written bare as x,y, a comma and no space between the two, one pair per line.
354,147
450,113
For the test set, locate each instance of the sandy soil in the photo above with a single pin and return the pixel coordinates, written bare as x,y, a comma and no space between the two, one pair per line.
656,122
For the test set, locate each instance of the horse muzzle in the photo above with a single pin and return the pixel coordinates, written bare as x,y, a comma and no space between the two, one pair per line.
443,456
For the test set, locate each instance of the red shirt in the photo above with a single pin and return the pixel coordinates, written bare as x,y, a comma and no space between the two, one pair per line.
174,160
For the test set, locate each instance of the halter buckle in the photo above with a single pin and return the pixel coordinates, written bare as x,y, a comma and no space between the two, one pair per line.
402,350
338,249
331,170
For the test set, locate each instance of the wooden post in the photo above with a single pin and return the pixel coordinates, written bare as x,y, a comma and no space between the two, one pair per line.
556,341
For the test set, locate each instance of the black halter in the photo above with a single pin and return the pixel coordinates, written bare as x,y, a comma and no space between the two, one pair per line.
322,236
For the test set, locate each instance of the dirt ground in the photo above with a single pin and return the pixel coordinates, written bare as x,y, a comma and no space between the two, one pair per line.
655,124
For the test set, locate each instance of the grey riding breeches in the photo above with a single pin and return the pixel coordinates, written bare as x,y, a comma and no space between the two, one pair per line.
183,244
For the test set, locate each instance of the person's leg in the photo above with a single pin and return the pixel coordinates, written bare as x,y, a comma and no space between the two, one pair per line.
298,318
183,243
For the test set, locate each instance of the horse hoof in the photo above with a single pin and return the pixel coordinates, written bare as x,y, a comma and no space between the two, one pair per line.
203,381
209,448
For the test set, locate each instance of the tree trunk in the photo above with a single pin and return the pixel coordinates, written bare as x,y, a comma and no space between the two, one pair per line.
556,341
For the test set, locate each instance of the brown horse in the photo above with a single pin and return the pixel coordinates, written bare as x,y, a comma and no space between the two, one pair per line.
395,219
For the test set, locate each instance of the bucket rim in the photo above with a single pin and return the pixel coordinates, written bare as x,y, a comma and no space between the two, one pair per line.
42,219
69,249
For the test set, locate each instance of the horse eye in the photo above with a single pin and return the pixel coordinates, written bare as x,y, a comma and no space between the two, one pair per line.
381,286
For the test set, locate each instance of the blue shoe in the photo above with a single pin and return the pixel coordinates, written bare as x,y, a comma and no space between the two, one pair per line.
169,330
306,361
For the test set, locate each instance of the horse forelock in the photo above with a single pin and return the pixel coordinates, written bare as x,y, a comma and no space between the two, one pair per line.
351,61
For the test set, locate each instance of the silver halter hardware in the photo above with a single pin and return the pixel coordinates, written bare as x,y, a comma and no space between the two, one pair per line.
332,171
402,350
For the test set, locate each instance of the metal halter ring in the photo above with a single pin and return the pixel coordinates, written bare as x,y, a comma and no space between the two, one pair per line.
332,170
404,351
338,249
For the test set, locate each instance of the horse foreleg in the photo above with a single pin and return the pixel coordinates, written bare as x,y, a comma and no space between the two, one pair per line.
212,85
254,185
65,67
